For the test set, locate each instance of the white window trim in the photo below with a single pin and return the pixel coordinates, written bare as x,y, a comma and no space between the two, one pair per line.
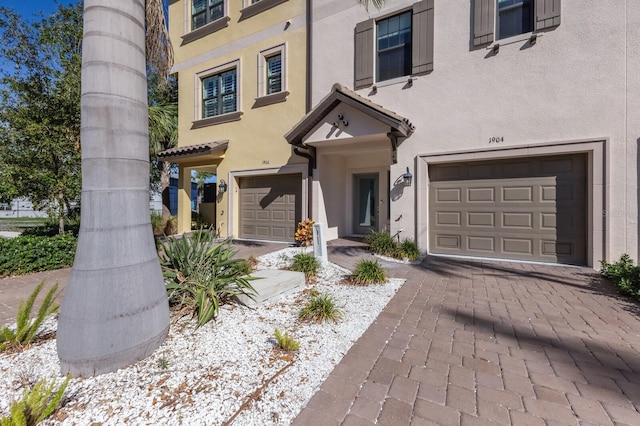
212,71
188,18
262,72
247,3
379,17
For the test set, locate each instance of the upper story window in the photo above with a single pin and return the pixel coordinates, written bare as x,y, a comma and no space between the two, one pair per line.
393,46
500,19
219,94
205,11
514,17
274,73
272,76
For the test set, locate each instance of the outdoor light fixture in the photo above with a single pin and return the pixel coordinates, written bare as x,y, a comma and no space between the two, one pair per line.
407,178
222,186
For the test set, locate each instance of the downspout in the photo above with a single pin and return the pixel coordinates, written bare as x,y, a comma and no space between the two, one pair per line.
311,155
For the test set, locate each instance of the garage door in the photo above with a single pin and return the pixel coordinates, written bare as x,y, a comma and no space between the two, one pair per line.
526,209
270,206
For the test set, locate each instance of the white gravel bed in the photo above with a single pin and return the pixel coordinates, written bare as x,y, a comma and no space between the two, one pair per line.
204,376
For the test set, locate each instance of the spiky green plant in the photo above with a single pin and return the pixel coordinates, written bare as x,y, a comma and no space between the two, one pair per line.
37,403
409,249
200,274
368,272
381,243
307,263
286,342
26,326
321,308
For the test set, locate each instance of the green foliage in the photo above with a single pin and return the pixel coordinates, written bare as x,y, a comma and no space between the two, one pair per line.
307,263
409,249
37,403
384,244
163,363
286,342
304,233
26,326
624,274
28,253
200,275
40,107
319,309
368,272
157,223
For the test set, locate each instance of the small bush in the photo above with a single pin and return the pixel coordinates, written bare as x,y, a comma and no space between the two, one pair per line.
409,249
37,403
247,266
286,342
200,275
624,274
368,272
26,326
304,233
307,263
29,253
171,227
157,223
319,309
381,243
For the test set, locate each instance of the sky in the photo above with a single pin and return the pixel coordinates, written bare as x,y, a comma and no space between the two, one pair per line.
30,8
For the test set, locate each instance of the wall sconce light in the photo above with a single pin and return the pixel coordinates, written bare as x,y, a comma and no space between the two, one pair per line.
407,178
533,39
496,48
222,186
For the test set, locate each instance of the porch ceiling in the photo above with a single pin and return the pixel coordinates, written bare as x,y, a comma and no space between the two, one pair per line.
339,94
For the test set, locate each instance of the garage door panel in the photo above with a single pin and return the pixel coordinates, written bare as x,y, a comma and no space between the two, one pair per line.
540,215
270,207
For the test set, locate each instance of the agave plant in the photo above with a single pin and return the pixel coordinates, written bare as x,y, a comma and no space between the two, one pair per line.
201,274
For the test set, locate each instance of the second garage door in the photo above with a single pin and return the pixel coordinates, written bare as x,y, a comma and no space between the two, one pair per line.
525,209
270,206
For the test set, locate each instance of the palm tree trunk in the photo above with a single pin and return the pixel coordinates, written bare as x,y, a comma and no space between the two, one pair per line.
115,309
165,182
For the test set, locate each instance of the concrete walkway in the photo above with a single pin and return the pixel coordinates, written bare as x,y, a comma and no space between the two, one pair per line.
489,343
472,343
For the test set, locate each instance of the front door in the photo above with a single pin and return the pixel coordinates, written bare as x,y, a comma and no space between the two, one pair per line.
365,203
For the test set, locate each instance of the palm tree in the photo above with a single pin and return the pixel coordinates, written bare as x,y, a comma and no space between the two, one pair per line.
115,309
163,134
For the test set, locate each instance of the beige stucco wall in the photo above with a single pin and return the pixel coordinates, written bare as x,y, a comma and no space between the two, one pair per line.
256,141
578,82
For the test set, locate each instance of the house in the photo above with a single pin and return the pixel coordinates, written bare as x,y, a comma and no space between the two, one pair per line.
241,68
492,128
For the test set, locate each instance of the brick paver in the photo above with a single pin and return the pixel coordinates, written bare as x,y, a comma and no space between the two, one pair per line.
487,342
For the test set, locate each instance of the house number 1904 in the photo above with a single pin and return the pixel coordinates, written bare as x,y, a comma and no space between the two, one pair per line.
496,139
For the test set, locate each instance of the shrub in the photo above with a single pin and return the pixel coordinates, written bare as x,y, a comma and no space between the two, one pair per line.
381,243
409,249
286,342
157,223
171,227
26,326
368,272
37,403
30,253
319,309
307,263
624,274
200,275
304,233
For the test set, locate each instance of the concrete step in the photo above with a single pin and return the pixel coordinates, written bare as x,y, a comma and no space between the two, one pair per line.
272,284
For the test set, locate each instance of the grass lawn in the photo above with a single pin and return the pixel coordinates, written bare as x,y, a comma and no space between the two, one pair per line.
20,224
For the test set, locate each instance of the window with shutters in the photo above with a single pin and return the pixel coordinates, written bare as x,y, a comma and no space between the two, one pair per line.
205,11
219,93
500,19
394,46
272,81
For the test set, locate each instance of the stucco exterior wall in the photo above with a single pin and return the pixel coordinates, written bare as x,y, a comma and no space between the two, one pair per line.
256,141
579,81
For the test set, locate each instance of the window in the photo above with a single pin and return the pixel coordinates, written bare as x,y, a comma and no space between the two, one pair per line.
403,45
393,47
272,78
274,74
507,18
219,94
205,11
253,7
514,17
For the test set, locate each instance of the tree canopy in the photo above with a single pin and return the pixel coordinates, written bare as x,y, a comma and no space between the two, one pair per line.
40,107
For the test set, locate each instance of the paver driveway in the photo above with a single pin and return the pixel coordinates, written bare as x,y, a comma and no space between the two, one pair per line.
471,342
